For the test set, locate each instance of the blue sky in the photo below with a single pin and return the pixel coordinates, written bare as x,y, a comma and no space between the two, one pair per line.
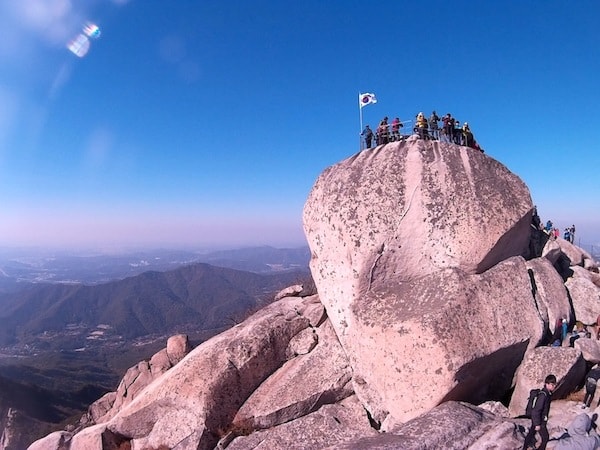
202,123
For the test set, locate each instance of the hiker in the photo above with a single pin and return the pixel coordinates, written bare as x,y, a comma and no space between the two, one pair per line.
457,132
396,125
421,127
548,227
468,136
581,435
539,415
591,380
367,134
448,127
383,132
567,235
565,327
433,125
572,233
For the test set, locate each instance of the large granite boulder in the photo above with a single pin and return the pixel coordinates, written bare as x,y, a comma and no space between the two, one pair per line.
585,296
450,426
565,363
330,425
397,236
301,386
549,292
411,209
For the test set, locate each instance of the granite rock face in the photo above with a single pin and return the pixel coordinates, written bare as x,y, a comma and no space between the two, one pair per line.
398,237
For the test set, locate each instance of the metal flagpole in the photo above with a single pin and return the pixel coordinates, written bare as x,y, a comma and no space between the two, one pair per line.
361,127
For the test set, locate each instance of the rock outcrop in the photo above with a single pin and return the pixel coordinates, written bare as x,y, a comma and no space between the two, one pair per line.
403,241
430,300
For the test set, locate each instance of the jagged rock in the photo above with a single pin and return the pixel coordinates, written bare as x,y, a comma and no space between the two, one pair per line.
451,426
585,296
159,363
300,386
470,333
136,379
302,343
575,254
313,309
177,347
496,408
290,291
566,363
549,292
587,273
589,348
552,251
101,406
133,382
192,404
59,440
98,437
331,425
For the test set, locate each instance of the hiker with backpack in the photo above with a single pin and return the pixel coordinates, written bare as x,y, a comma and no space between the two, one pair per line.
538,407
591,381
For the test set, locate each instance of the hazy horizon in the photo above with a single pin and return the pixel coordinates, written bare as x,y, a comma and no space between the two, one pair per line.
191,124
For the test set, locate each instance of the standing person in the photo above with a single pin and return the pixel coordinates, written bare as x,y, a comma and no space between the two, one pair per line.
572,234
565,328
539,415
591,380
448,127
396,125
433,125
367,134
383,132
567,235
422,126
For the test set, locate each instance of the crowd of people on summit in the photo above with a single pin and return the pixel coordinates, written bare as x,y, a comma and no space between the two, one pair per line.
426,129
551,230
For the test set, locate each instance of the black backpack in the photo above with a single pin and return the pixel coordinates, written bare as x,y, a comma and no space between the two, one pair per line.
531,401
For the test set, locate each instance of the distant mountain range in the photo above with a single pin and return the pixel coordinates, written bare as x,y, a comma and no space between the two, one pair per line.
21,266
62,345
72,316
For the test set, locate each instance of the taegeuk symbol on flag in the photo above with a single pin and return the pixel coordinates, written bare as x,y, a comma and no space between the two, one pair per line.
366,99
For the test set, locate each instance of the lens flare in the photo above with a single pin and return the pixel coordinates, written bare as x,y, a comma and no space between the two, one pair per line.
91,30
79,46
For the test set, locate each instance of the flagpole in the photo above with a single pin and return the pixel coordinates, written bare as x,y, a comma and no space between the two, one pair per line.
361,126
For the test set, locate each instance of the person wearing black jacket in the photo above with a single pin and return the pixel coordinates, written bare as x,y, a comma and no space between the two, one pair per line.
539,415
591,381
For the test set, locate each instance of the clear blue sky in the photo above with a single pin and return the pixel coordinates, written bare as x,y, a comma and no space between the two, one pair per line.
196,123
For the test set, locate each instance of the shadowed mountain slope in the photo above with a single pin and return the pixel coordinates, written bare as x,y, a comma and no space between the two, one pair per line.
154,302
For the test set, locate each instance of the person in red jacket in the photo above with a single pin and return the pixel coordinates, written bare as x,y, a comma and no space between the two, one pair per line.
539,415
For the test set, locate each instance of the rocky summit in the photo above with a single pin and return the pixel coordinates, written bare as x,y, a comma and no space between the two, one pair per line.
436,301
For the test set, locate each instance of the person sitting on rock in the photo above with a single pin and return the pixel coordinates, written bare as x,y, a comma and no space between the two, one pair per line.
581,435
